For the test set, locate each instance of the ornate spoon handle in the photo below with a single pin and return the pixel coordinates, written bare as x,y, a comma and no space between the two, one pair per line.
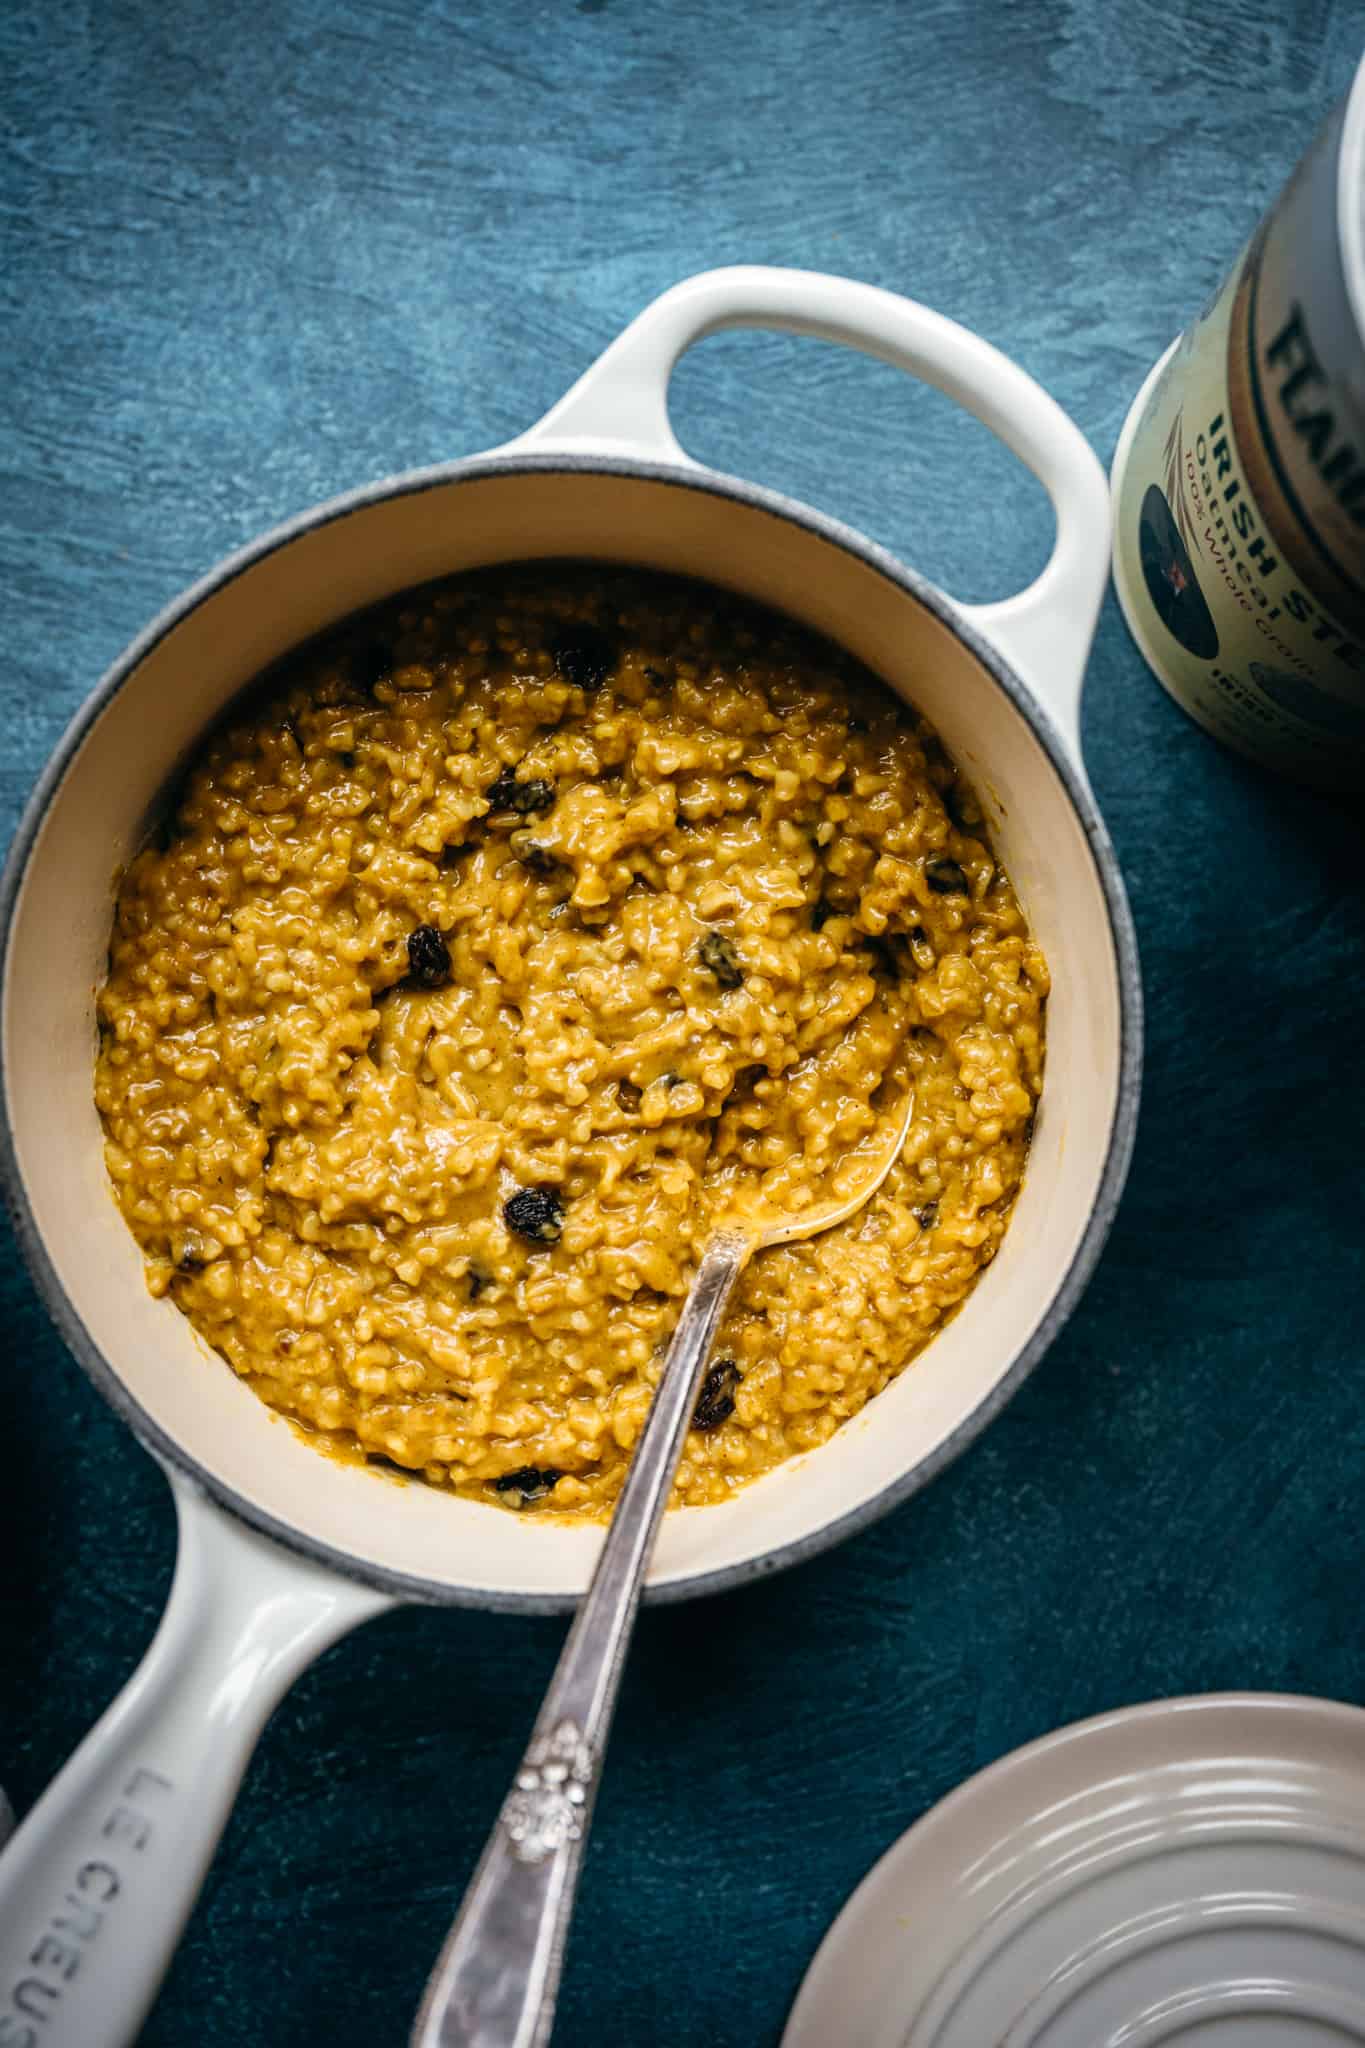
495,1980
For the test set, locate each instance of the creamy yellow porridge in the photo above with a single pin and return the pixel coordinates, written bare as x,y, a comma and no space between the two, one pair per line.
501,936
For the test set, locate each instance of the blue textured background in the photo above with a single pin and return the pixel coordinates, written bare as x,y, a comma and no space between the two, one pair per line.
250,256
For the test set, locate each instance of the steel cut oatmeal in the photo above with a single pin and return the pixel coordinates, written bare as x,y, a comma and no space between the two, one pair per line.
516,928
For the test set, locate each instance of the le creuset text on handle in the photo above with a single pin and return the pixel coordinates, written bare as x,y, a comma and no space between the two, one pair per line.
99,1880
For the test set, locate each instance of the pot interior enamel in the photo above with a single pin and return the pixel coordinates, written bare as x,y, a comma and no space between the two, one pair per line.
183,1400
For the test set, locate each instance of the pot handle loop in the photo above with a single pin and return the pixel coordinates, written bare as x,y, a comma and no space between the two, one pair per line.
620,406
99,1880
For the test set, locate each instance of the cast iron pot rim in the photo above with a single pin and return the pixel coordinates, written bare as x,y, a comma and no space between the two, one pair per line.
1122,1128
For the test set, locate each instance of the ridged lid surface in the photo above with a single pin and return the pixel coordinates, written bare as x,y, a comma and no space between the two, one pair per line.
1189,1874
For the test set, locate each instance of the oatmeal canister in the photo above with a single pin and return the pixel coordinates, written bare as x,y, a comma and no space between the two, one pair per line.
1239,484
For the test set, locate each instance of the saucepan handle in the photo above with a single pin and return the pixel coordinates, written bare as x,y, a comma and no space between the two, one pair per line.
620,406
98,1882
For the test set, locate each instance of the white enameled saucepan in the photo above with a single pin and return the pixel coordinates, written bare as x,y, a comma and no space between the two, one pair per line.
281,1550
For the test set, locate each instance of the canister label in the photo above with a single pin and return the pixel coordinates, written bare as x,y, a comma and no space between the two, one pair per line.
1240,514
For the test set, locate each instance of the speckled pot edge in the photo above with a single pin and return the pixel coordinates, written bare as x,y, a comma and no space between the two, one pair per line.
1121,1135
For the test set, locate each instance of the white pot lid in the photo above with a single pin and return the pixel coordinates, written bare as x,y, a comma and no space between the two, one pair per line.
1189,1874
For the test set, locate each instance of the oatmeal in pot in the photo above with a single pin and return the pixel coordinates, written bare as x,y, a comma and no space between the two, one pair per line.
501,938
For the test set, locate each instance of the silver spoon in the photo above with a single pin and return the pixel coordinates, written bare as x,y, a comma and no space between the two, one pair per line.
496,1979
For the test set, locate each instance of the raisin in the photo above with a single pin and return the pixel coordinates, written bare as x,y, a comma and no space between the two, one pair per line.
371,664
885,953
532,855
531,1482
189,1252
926,1215
535,1213
947,878
478,1280
719,957
525,798
628,1096
428,957
961,807
584,656
716,1401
